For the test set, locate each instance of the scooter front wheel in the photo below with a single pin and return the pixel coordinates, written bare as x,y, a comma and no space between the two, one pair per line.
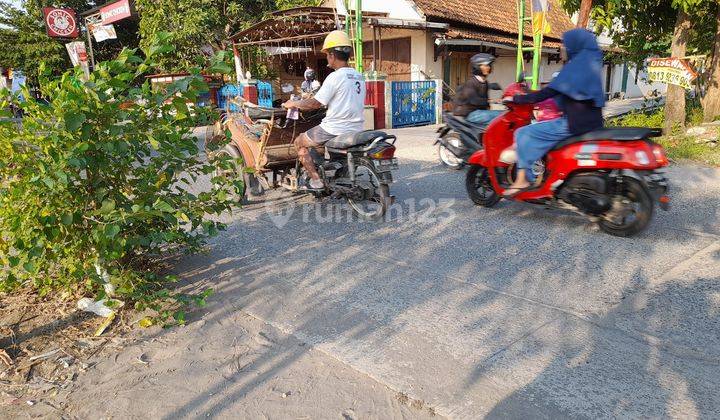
479,187
447,158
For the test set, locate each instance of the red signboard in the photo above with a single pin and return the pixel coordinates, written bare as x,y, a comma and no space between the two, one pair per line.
115,12
60,23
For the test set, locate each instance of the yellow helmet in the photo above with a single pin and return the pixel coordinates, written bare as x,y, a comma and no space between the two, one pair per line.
336,39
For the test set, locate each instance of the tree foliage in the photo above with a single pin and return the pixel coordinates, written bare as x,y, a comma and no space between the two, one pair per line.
24,43
102,179
202,24
644,28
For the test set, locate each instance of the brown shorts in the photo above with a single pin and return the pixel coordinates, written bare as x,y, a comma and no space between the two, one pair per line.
319,136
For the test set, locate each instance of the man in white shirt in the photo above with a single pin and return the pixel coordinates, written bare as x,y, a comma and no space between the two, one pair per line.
343,92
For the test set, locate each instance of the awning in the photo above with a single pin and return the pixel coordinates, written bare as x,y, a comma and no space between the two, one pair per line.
286,50
302,27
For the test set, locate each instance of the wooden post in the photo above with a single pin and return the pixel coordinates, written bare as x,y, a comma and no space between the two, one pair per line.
90,44
380,48
374,56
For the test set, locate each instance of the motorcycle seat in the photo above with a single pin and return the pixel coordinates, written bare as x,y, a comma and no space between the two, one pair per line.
346,141
609,133
461,121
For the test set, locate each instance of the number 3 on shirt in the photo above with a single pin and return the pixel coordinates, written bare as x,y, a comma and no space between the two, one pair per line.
357,86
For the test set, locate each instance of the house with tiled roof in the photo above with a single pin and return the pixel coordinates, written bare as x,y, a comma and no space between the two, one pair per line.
439,37
425,41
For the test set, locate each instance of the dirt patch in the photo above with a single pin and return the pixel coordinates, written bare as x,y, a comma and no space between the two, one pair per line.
224,362
44,345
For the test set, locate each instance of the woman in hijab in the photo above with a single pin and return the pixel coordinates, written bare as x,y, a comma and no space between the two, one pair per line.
578,91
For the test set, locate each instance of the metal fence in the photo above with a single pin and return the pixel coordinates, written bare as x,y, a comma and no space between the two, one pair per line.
265,94
227,92
413,103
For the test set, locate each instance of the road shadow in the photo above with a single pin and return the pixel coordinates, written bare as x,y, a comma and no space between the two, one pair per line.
442,298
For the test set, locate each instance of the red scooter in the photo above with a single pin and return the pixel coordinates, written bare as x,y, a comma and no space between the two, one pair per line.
611,174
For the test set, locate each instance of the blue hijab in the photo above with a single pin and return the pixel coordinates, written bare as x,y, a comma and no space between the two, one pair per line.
581,78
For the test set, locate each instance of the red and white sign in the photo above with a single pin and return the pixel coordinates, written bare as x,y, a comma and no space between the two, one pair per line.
77,52
60,23
115,12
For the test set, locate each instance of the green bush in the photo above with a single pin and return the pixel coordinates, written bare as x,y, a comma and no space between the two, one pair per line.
99,181
652,119
656,118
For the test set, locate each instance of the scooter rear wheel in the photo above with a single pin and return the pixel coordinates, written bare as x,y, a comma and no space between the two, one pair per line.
632,210
479,188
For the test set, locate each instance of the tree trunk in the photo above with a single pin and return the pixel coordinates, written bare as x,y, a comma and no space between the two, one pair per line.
675,100
584,13
711,104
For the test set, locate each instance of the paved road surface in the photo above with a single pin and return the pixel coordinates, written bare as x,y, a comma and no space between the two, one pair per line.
461,311
623,106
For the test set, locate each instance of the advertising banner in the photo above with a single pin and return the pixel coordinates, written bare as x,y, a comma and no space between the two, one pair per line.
115,12
673,71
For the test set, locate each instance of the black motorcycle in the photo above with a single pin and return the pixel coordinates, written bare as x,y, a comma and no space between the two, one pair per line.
358,168
457,140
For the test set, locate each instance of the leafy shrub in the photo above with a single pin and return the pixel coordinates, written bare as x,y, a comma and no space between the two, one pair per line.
652,119
100,181
656,118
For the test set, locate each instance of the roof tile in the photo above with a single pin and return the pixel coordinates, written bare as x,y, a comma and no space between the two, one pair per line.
499,15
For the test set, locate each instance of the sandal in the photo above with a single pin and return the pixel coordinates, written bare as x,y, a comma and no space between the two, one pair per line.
517,191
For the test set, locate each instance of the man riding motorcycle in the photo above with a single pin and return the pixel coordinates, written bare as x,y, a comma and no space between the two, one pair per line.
343,92
472,100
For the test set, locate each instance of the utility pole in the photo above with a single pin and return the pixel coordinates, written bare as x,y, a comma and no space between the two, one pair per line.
358,36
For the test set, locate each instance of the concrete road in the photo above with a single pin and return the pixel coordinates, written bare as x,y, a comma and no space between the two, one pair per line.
618,107
510,312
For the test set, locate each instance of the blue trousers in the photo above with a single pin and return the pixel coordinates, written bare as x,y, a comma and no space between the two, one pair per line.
482,117
534,141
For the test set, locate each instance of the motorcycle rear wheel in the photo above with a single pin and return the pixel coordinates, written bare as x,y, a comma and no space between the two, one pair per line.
375,207
634,199
479,188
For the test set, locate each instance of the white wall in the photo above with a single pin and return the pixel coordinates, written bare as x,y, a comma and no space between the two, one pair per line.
422,57
504,70
421,51
399,9
642,87
639,89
